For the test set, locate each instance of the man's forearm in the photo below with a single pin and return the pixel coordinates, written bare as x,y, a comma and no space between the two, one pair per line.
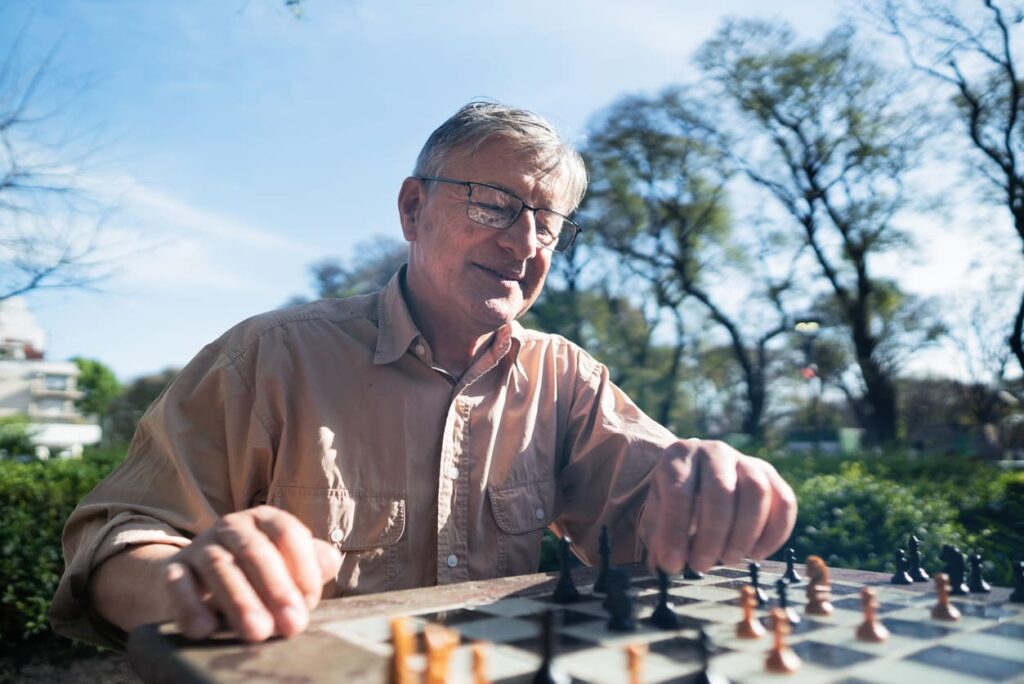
128,589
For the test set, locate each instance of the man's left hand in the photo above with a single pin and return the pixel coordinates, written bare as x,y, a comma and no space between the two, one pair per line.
710,504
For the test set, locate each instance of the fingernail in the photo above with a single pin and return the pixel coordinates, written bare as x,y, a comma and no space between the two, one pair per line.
258,625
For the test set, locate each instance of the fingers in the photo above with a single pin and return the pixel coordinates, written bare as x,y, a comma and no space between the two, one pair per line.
195,620
673,508
781,519
709,503
717,505
260,568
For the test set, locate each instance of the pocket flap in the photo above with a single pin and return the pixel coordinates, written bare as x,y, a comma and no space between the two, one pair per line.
352,521
523,508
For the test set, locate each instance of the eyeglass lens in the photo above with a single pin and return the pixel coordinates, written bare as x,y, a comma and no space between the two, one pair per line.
498,209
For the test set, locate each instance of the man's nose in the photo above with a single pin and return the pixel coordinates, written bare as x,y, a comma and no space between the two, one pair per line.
521,237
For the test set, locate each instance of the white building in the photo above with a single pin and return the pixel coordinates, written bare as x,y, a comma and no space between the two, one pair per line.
44,391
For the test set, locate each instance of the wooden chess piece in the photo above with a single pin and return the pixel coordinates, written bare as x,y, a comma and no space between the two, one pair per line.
604,550
635,660
791,575
749,627
755,583
782,589
548,673
977,583
901,576
956,568
781,658
404,646
565,588
916,571
440,641
664,617
872,629
480,663
819,589
944,610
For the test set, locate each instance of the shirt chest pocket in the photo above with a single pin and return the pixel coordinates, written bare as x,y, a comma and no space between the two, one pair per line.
365,527
521,513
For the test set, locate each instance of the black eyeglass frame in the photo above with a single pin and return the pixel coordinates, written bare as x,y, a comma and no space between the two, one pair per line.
577,229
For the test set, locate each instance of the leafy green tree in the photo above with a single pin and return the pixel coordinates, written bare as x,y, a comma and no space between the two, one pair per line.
658,201
972,48
16,436
827,134
125,410
99,384
370,267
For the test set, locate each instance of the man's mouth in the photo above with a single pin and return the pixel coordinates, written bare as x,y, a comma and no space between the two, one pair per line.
503,274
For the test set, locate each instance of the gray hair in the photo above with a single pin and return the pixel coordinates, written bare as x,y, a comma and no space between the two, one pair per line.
474,123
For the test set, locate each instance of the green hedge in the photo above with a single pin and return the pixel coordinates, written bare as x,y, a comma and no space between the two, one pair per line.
36,499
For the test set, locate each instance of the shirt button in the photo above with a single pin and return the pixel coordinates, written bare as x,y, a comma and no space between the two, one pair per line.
453,560
453,473
420,350
539,513
336,535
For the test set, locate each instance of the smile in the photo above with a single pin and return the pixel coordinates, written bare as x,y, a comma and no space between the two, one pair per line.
505,276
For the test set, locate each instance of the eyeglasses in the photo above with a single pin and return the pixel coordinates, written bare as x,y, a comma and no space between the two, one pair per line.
499,209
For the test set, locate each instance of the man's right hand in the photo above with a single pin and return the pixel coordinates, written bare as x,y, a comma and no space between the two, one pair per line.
261,569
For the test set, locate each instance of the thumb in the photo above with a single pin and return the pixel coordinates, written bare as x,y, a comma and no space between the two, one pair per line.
328,558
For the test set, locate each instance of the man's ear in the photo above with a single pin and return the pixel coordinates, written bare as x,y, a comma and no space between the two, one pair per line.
410,201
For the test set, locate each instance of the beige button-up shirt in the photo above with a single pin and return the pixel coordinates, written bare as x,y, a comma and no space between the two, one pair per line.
335,412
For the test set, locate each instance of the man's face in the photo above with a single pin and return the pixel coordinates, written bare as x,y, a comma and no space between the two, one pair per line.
470,278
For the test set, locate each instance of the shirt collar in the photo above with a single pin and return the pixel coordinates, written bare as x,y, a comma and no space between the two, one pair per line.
396,330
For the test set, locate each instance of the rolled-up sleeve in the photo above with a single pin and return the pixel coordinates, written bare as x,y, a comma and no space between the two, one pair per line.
610,451
202,450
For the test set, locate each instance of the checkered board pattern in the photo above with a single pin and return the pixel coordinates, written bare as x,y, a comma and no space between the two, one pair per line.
985,645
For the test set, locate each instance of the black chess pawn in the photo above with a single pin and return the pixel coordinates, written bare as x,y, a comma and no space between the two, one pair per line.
977,583
901,576
618,602
1018,582
791,575
565,590
705,648
755,584
548,674
691,574
955,569
604,550
916,572
782,589
663,616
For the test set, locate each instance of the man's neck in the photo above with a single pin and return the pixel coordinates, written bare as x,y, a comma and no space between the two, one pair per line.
452,352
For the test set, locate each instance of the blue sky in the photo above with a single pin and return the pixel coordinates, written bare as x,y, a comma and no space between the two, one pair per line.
241,143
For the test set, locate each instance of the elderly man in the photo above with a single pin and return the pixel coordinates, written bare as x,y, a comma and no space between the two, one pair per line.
415,436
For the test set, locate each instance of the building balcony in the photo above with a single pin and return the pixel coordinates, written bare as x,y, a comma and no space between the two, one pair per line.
40,390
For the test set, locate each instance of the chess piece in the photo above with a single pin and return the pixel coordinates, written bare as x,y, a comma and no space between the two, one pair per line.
749,627
872,629
954,570
480,663
1018,582
619,603
440,641
944,610
977,583
404,646
791,575
781,659
782,590
755,583
635,660
901,576
548,673
663,616
916,572
604,550
819,589
565,590
706,648
692,574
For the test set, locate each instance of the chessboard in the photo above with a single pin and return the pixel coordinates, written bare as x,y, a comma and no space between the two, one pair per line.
349,639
